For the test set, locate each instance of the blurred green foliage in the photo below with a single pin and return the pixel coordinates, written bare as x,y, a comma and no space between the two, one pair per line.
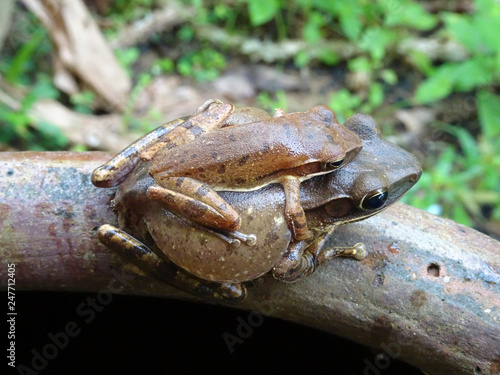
464,179
460,181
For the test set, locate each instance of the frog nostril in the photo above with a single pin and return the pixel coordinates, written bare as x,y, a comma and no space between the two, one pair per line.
413,177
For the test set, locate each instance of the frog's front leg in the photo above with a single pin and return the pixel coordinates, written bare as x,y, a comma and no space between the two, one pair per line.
200,203
302,258
145,259
294,213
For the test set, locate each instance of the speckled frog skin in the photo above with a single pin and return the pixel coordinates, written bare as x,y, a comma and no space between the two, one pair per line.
380,174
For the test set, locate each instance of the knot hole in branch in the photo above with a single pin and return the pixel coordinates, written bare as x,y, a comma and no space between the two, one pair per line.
433,269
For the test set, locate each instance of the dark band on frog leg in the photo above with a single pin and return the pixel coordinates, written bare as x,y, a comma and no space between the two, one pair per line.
230,292
299,224
194,209
193,127
206,208
203,289
298,268
146,259
113,172
127,246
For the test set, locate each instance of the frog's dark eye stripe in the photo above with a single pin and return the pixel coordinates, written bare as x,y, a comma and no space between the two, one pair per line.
374,200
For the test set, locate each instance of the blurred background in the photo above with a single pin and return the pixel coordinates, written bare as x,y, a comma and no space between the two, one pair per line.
96,74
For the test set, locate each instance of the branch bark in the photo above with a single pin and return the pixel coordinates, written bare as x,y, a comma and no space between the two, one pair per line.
429,290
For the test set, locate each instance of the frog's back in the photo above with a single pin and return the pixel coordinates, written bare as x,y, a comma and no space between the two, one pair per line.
250,155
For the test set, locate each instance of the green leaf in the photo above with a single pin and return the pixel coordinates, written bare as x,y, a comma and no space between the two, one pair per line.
389,76
489,113
462,30
305,3
460,215
328,57
22,59
186,33
301,59
478,33
360,64
375,40
262,11
467,143
410,14
126,57
461,76
54,138
434,88
343,103
376,95
444,164
421,61
471,73
486,28
350,21
312,28
329,7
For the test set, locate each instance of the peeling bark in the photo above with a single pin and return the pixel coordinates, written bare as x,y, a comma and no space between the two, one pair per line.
429,291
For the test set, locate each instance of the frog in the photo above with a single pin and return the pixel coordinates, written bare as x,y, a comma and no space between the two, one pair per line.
199,262
241,151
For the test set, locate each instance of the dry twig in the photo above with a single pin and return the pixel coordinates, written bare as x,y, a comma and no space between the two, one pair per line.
104,132
81,52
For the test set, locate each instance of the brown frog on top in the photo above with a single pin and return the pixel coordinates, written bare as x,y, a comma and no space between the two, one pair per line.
216,150
206,265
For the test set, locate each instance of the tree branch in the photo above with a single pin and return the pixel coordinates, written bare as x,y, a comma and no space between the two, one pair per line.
428,293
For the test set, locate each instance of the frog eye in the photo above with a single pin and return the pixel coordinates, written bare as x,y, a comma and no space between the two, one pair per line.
337,163
374,200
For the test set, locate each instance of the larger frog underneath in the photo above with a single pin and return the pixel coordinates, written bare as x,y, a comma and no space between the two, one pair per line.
376,178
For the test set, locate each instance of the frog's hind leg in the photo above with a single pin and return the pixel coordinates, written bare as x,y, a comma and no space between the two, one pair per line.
199,203
302,258
209,116
113,172
212,114
145,259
